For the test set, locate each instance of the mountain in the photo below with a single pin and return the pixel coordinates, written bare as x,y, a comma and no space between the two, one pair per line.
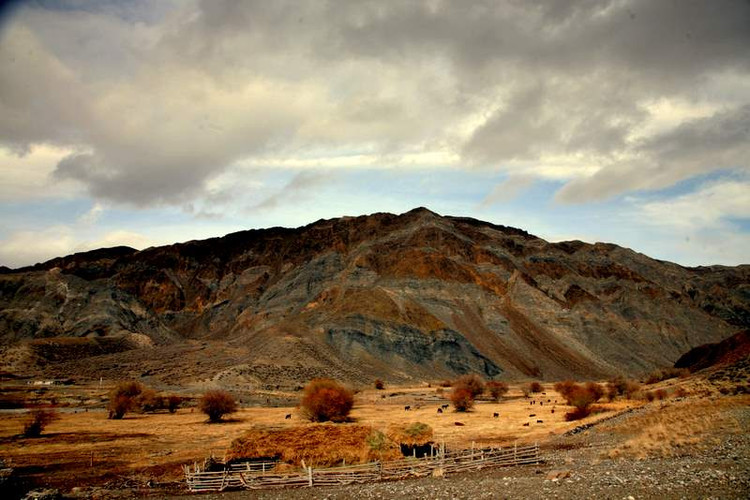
726,352
416,296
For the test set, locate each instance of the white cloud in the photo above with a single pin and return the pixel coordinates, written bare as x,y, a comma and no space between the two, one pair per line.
708,206
27,176
164,98
23,248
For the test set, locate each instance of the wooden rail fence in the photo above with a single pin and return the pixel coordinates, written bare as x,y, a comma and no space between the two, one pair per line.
254,475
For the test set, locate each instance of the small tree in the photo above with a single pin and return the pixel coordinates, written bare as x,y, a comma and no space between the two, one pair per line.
216,404
379,385
582,399
36,421
173,402
123,398
325,399
596,390
535,387
497,389
462,398
473,382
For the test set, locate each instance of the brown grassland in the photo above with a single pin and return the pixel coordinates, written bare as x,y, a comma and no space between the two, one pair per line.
154,446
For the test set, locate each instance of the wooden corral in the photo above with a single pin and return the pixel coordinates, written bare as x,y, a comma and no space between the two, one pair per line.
440,462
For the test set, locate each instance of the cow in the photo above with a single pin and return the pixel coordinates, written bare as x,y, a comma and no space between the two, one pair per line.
541,403
407,408
526,424
445,407
495,415
440,410
540,421
553,410
532,415
460,424
288,416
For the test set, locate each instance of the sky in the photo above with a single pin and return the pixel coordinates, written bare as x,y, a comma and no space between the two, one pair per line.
144,123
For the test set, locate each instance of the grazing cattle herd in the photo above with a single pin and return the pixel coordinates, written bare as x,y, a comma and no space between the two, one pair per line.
441,409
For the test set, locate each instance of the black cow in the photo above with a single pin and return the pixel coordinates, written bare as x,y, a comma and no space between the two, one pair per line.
440,410
288,416
496,415
407,408
540,421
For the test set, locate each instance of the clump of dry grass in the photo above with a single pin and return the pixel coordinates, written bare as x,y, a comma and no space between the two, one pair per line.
323,444
416,434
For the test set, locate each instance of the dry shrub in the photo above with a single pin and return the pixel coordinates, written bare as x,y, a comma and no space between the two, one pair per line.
564,387
173,402
666,374
497,389
446,383
147,401
472,382
649,395
36,421
596,390
620,386
216,404
325,399
379,384
439,391
122,399
462,399
535,387
680,392
581,398
320,445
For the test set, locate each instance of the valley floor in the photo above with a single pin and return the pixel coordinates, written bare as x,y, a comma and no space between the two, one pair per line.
691,447
613,460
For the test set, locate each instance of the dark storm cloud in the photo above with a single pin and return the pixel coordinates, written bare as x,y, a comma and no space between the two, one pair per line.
158,101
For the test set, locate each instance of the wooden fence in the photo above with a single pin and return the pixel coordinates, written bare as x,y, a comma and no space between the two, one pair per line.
253,475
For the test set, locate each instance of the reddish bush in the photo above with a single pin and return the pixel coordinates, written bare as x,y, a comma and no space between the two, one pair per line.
148,401
596,390
650,396
631,388
379,385
122,399
173,402
462,398
564,386
216,404
619,386
325,399
37,421
535,387
497,389
473,382
582,398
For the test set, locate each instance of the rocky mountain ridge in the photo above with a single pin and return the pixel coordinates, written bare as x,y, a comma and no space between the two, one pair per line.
416,296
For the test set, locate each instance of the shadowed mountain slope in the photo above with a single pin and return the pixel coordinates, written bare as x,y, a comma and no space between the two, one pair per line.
401,297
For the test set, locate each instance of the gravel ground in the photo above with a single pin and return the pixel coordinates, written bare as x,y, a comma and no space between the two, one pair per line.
721,471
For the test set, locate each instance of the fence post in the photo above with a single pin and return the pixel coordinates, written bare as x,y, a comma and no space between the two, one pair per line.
515,451
310,475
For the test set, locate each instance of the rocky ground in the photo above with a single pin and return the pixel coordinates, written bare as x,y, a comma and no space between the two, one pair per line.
578,466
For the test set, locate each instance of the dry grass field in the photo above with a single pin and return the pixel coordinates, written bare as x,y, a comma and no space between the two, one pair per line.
146,447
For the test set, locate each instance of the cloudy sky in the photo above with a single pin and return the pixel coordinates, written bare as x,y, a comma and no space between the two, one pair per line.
145,123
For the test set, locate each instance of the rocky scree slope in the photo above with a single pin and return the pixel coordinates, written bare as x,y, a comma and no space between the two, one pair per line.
403,297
